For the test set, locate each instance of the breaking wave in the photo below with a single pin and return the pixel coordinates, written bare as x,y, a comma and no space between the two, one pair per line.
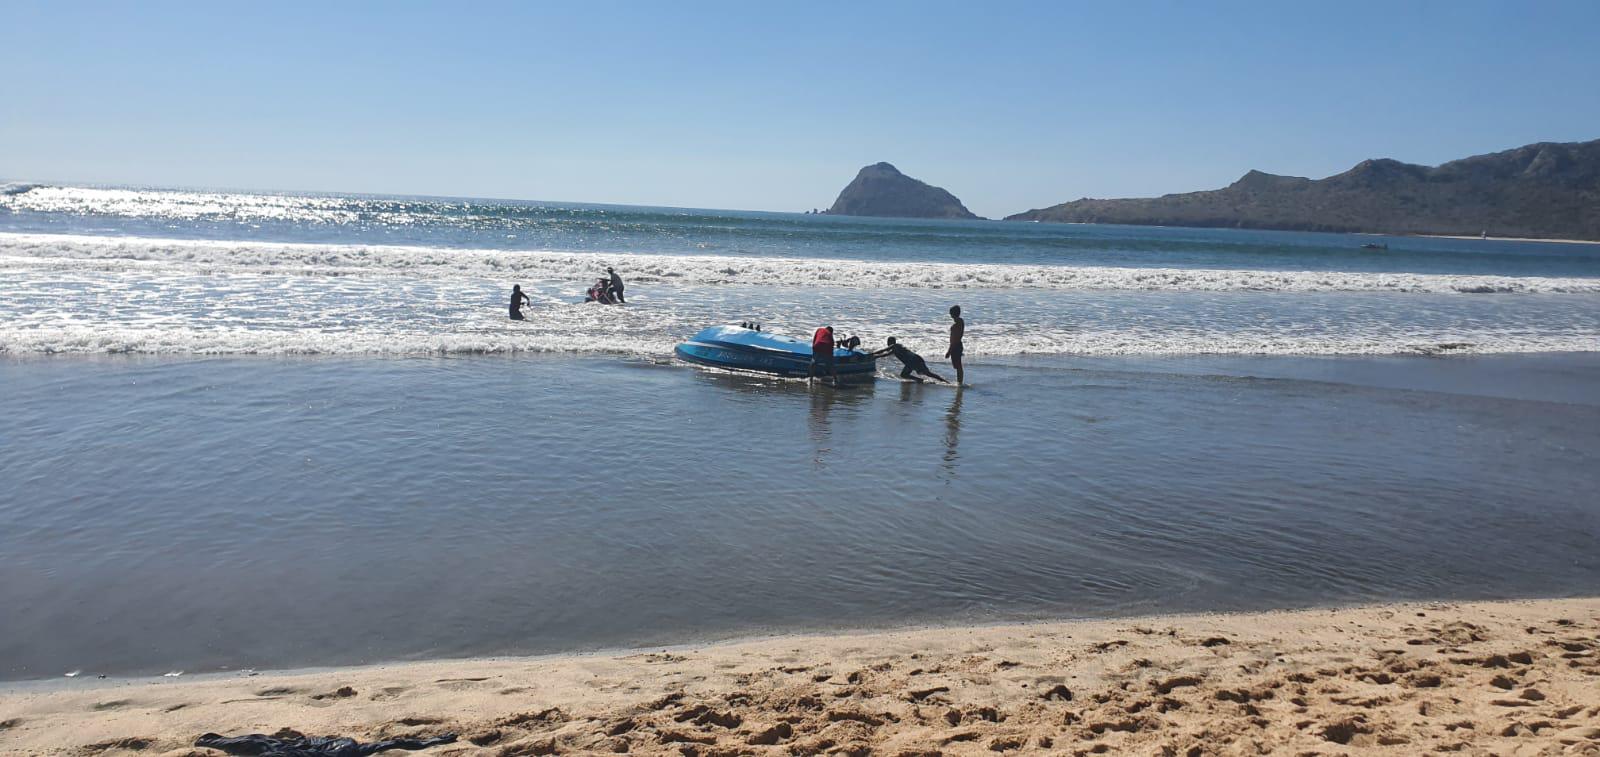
134,295
146,340
107,253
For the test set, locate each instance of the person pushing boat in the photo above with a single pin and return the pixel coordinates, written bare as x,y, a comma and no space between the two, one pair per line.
912,362
822,354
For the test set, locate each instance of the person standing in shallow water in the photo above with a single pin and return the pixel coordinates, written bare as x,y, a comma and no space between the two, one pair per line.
615,285
958,329
518,299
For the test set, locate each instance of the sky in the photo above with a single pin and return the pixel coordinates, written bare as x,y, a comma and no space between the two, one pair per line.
768,106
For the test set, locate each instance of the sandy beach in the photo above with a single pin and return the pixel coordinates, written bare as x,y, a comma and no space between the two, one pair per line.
1517,677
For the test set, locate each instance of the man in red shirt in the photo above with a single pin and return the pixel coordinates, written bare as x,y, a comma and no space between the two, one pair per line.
822,354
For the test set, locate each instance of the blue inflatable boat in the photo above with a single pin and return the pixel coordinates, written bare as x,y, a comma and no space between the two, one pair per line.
741,349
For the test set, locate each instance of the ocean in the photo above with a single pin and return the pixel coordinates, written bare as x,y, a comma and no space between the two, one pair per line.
244,430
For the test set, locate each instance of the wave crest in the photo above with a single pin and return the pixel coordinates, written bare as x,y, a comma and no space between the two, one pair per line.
10,189
545,265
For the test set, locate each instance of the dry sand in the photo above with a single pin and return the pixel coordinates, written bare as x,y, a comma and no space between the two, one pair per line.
1485,678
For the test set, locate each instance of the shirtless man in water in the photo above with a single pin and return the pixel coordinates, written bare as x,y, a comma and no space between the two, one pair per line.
958,329
912,363
518,299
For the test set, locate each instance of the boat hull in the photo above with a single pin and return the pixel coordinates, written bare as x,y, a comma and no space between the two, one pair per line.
741,349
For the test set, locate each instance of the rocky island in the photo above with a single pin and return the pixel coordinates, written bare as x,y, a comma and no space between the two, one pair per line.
881,190
1546,190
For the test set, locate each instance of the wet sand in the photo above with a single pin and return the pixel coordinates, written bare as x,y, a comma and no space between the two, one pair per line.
282,513
1518,677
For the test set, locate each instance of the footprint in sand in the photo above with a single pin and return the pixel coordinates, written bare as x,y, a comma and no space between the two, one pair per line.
1007,744
664,701
112,705
1058,692
279,691
702,715
460,684
549,716
771,735
389,692
419,720
620,727
130,743
1166,687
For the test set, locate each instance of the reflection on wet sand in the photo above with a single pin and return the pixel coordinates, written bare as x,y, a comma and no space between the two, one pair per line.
952,432
915,393
823,400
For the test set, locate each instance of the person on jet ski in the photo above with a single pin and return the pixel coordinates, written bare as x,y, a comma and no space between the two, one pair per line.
600,292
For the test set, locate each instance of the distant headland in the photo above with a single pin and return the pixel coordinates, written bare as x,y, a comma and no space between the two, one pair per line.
1548,189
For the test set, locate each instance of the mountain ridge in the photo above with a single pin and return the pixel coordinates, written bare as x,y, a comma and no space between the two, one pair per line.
1544,189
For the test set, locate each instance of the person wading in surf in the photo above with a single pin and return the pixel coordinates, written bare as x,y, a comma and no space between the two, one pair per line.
958,329
615,285
518,299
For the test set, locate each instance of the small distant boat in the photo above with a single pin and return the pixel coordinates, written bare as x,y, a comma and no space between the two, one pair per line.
737,348
1374,246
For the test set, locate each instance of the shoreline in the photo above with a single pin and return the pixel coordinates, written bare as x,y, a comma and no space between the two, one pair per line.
1400,677
1503,239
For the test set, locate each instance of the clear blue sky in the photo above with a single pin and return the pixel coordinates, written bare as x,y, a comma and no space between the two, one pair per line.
756,105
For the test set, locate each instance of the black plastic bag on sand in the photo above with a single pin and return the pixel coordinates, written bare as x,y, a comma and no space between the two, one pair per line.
290,744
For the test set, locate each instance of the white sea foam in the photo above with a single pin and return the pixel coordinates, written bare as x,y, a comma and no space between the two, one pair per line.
108,253
119,295
191,340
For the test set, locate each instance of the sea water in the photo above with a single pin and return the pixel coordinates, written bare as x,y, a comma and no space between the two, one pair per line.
244,430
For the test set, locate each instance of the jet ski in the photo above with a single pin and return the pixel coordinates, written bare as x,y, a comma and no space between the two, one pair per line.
737,348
